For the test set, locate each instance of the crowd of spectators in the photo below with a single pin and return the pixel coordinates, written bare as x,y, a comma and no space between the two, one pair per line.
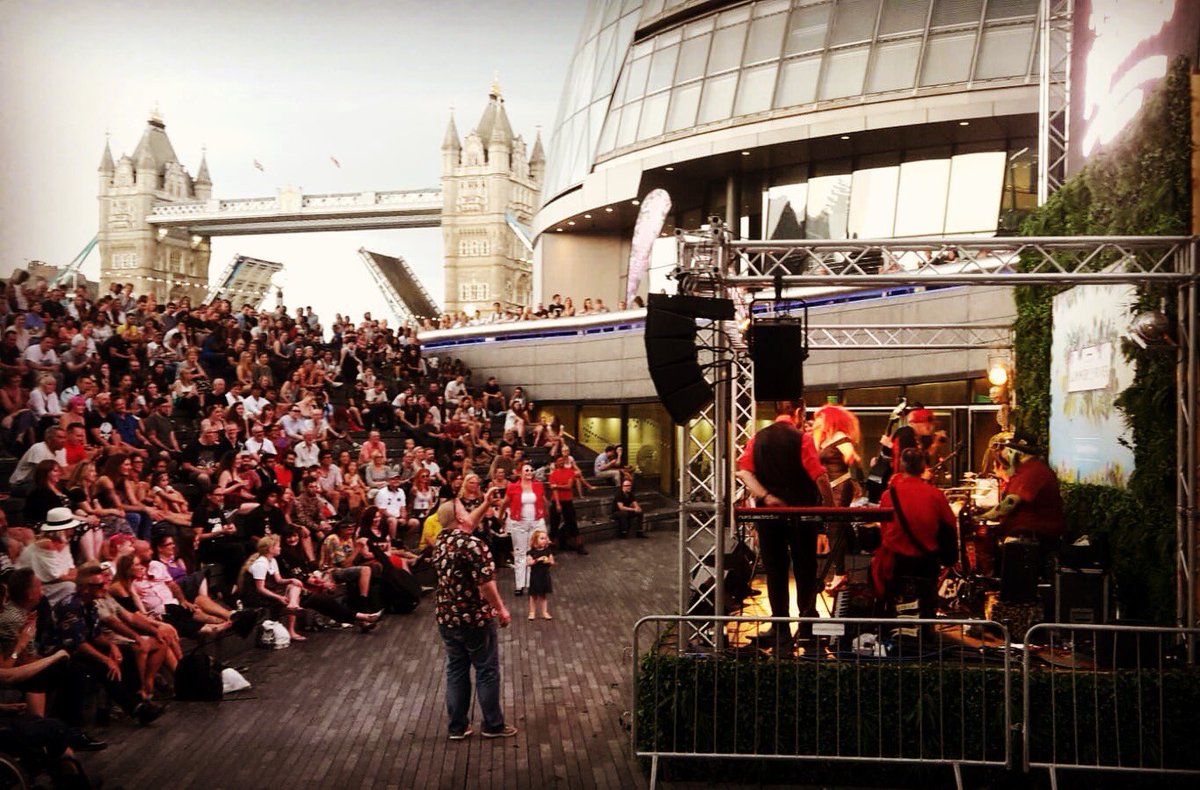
558,307
183,471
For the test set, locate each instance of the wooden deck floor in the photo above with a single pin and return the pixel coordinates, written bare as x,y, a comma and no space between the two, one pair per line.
351,710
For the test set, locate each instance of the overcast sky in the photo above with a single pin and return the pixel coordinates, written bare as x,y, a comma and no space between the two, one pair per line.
290,84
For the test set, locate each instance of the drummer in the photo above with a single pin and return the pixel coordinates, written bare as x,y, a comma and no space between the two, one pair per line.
1031,505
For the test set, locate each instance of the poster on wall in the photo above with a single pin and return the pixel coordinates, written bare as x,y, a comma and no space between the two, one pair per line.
1089,440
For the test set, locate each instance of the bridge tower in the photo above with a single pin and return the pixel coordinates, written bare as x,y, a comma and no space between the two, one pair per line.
167,262
486,179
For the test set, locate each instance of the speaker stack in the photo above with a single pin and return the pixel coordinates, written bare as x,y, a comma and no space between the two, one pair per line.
778,349
671,352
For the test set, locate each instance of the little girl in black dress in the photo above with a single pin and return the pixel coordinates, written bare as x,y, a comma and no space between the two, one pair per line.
539,559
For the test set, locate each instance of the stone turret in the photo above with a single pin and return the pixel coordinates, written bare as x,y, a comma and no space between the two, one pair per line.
537,160
451,147
203,182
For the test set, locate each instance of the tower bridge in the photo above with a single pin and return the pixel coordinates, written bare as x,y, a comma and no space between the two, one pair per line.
157,220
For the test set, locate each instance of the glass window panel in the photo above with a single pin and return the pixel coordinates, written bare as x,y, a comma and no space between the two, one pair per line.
606,60
976,186
766,38
630,6
654,114
635,86
756,89
717,101
692,56
844,73
828,207
855,21
595,115
768,7
726,50
1004,52
798,82
662,69
948,58
629,122
903,17
734,16
694,29
895,66
1007,9
784,211
611,11
873,202
921,204
642,49
668,38
807,28
608,138
955,12
684,102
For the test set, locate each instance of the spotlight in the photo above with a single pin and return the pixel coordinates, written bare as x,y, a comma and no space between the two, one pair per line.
162,233
998,373
196,241
1150,330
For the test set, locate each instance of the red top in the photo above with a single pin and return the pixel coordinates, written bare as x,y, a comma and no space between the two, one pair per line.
513,494
925,508
563,476
1041,510
810,457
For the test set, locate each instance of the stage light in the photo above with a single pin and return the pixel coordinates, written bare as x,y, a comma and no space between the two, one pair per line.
196,241
1150,330
162,233
998,373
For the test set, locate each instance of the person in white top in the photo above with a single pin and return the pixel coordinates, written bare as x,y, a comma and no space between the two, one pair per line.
308,452
293,423
259,443
44,400
42,356
255,402
391,500
456,389
52,447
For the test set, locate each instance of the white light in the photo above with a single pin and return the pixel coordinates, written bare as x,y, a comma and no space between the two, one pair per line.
964,123
608,209
998,374
845,137
745,153
196,241
587,216
670,169
162,233
635,202
571,222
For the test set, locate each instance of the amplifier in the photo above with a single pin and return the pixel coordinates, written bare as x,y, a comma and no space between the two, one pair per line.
1081,597
1019,571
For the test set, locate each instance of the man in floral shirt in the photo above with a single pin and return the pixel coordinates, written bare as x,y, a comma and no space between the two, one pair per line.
468,608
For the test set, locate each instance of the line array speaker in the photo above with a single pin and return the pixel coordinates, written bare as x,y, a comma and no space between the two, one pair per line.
671,351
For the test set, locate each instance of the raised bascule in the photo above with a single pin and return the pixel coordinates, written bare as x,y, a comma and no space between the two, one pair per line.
157,220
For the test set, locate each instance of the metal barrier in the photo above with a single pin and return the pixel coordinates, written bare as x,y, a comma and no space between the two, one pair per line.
860,690
1104,697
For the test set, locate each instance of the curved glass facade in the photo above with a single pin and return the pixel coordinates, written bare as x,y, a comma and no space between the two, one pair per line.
755,60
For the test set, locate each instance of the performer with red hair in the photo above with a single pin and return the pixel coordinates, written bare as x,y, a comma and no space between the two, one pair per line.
836,433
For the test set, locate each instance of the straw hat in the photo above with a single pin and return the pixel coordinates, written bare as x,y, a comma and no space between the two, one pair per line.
58,519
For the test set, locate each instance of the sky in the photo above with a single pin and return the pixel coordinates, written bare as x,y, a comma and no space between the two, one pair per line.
290,84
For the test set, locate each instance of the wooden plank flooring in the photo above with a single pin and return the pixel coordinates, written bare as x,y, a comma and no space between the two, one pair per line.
349,710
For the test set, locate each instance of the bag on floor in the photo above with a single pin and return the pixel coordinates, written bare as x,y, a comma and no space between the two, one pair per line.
198,678
273,636
232,680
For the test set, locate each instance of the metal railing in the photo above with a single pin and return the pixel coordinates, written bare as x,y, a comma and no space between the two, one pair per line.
1100,698
1103,697
861,690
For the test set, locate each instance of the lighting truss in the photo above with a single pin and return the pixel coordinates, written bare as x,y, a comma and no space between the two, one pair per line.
923,337
1055,20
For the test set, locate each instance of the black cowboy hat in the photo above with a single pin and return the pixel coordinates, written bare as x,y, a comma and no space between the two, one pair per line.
1024,442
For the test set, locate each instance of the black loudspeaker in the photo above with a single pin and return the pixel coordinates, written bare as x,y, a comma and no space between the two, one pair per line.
1081,597
778,350
671,350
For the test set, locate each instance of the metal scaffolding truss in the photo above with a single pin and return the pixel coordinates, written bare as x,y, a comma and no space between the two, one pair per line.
946,261
713,264
924,337
1055,20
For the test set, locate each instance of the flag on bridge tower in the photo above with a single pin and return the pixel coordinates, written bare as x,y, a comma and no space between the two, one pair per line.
259,166
336,163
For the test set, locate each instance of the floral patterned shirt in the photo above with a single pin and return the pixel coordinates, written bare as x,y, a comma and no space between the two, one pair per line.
464,563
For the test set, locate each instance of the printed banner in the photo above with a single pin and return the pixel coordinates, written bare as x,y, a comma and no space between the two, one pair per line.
651,216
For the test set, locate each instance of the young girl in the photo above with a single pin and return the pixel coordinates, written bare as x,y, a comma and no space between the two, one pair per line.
539,561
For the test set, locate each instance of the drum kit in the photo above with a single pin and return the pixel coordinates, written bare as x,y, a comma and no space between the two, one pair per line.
965,587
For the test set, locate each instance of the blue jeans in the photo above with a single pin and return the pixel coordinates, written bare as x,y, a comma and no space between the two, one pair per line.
478,647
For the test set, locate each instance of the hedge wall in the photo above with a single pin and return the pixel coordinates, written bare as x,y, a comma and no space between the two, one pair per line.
1140,187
